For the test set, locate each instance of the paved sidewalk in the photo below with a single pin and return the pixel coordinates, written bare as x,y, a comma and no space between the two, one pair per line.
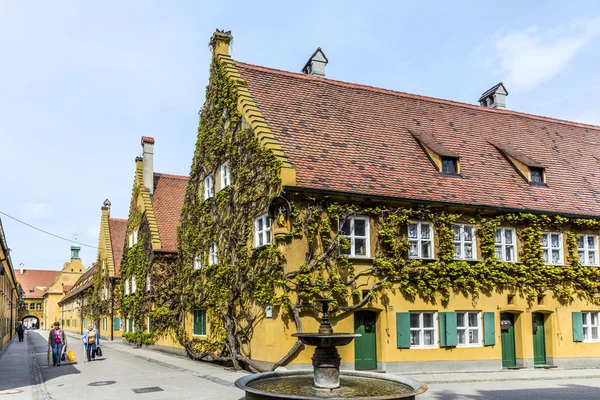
17,367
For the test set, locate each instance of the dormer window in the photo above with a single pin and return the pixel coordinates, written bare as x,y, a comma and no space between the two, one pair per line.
537,175
450,165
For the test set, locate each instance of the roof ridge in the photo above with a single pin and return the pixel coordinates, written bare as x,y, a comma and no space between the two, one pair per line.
172,176
416,96
118,219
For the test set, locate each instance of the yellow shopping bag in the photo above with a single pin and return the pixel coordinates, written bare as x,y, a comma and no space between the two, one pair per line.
71,355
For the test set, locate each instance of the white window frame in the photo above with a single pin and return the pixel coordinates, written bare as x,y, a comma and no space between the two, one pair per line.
265,233
462,242
148,282
212,254
135,236
225,175
352,237
587,325
130,239
198,262
420,240
549,248
209,186
466,328
133,284
586,250
127,290
421,329
502,245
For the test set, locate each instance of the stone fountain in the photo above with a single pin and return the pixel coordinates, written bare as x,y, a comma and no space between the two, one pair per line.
325,380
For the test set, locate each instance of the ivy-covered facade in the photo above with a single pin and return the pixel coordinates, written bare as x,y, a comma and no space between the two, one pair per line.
448,235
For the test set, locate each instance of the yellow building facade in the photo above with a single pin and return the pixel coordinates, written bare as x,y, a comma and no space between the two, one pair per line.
9,293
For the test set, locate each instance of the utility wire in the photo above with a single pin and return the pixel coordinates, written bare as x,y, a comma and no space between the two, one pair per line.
46,232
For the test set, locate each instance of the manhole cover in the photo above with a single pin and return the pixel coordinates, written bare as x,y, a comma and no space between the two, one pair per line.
148,390
10,391
102,383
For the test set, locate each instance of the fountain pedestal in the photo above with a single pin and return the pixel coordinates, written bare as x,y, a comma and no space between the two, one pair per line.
326,366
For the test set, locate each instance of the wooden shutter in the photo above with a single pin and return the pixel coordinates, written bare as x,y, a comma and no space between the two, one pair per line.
117,324
403,330
448,333
489,329
149,324
577,326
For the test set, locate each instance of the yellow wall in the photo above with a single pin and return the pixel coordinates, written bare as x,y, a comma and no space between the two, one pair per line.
8,300
71,271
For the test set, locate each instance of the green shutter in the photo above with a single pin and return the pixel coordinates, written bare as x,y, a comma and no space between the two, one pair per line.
577,326
489,329
448,333
199,322
403,330
117,324
149,324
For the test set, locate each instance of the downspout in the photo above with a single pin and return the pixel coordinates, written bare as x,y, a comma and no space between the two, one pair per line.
112,307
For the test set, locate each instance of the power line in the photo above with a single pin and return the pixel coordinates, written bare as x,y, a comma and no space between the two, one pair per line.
46,232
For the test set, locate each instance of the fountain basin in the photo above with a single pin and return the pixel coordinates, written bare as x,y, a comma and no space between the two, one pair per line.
297,385
330,340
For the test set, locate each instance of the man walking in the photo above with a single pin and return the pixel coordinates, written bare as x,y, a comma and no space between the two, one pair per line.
20,331
56,341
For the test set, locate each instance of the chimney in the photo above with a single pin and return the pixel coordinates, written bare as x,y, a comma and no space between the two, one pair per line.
494,97
148,157
75,249
106,208
22,271
316,64
220,42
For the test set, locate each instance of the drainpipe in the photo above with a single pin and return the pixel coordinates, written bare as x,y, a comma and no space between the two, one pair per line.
112,308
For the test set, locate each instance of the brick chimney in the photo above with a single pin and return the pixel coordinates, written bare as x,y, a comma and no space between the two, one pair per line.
148,160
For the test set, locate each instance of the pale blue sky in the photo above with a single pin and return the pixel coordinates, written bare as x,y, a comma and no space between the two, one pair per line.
81,82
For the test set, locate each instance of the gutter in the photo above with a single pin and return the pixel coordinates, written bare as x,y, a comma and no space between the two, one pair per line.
432,202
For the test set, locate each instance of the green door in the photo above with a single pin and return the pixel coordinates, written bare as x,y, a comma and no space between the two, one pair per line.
365,346
539,341
509,357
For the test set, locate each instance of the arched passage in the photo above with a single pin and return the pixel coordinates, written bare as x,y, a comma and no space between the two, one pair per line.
31,322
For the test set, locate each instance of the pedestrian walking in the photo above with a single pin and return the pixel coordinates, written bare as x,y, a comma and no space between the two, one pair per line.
56,341
91,341
20,331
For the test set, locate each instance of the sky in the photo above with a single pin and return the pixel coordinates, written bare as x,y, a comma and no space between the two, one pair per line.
82,81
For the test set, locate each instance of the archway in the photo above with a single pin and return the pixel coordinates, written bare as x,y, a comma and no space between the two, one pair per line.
31,322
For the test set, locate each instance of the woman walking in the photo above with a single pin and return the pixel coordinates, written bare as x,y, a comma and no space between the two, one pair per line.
91,341
56,341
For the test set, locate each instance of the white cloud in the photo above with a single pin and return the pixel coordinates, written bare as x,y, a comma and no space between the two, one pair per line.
530,57
32,210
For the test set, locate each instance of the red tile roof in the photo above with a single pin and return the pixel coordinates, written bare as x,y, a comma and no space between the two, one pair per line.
344,137
85,281
169,193
31,280
118,230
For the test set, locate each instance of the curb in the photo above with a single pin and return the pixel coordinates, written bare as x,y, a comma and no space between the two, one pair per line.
38,386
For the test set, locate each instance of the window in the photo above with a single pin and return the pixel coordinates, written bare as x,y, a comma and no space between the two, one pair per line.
39,306
356,230
423,332
505,244
587,248
450,165
591,326
133,284
126,286
135,236
130,239
209,187
537,175
262,230
199,323
104,324
464,242
420,236
468,325
552,247
198,262
148,283
32,306
225,177
149,325
212,254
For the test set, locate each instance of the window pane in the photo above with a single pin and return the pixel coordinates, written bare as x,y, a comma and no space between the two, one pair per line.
414,320
345,230
456,230
461,336
580,242
425,250
594,332
509,253
412,231
414,249
544,240
267,222
591,242
468,251
260,239
585,318
556,256
428,339
360,247
592,257
581,255
508,236
555,241
425,234
474,333
427,320
457,249
498,235
499,252
586,333
545,255
260,224
414,338
360,227
468,233
473,320
594,318
460,319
